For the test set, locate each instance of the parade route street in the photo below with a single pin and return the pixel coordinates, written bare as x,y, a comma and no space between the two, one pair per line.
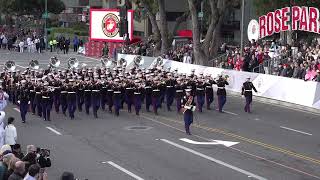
274,143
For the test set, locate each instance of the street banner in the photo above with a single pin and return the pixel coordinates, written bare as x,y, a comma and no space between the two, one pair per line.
285,19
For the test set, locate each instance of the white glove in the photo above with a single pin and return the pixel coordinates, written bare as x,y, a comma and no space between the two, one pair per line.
28,102
18,102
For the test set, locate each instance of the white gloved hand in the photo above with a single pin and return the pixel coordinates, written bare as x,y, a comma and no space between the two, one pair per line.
18,102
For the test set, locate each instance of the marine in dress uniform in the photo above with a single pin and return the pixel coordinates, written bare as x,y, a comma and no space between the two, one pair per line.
209,91
38,98
109,94
148,93
200,93
96,99
221,92
117,94
156,101
138,91
80,95
87,96
247,88
23,101
170,91
46,103
71,99
179,93
188,105
129,95
63,99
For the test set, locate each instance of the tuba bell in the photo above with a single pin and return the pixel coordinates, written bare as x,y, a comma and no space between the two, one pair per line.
54,62
138,61
158,62
73,63
107,62
34,64
122,62
10,65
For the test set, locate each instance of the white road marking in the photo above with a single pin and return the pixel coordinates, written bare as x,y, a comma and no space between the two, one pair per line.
213,142
228,112
17,109
54,131
95,59
290,129
21,66
214,160
124,170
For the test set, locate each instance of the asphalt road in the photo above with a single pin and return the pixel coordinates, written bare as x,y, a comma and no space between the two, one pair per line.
276,143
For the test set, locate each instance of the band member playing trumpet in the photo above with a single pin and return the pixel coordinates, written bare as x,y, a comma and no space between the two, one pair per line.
221,92
247,93
188,106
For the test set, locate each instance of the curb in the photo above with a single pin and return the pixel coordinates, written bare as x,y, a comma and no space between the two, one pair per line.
284,104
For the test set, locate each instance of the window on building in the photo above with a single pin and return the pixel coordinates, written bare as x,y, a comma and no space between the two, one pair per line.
172,16
83,2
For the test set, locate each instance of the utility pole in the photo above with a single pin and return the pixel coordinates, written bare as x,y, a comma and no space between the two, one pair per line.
242,27
45,23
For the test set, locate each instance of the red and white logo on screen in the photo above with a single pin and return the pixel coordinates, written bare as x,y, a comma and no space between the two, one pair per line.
110,25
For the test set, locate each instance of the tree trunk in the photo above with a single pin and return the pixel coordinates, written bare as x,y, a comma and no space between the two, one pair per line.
155,27
163,28
199,55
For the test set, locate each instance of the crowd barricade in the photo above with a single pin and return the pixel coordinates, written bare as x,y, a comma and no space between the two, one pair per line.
296,91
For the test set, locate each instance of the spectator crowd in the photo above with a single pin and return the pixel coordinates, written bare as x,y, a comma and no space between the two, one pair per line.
301,61
22,40
14,164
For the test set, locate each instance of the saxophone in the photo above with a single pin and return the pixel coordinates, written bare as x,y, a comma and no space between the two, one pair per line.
188,103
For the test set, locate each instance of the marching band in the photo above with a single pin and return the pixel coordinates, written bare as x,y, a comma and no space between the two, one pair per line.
107,88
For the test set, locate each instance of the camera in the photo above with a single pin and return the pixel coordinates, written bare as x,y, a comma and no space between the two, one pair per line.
43,157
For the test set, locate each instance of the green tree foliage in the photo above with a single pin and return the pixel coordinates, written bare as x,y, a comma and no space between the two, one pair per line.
30,7
264,6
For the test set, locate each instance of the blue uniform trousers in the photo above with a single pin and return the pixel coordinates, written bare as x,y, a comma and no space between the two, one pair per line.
169,98
248,103
148,101
71,108
221,102
23,110
200,102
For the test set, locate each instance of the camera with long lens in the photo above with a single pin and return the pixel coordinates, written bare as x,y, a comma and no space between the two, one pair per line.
43,157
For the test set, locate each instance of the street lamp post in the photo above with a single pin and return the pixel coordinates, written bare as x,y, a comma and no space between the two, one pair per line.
242,24
45,23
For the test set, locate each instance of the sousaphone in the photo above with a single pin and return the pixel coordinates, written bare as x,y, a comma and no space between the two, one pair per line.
122,62
107,62
54,62
34,64
138,61
10,65
158,62
73,63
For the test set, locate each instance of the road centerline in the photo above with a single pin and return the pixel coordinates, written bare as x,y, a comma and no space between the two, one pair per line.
17,109
214,160
124,170
298,131
54,131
